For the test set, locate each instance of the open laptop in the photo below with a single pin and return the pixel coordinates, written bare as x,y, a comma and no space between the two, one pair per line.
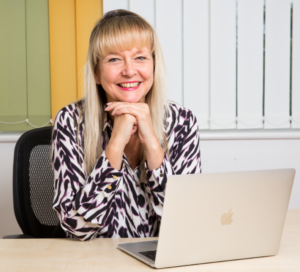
218,217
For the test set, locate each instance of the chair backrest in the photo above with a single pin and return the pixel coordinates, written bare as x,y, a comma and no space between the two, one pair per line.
33,184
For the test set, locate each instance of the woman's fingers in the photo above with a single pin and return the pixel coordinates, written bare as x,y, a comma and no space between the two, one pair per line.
115,106
138,113
142,115
121,110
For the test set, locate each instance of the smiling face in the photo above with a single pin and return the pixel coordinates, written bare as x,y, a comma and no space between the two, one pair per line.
126,76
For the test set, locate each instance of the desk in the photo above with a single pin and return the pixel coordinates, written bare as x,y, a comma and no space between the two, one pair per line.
101,255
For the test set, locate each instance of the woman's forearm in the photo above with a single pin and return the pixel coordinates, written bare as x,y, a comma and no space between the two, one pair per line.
114,153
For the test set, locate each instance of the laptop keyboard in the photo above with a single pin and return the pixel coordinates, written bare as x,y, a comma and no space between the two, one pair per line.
149,254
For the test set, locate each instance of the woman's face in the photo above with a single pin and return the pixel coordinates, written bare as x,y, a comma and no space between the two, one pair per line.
126,76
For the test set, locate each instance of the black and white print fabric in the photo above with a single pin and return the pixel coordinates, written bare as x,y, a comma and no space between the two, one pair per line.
110,202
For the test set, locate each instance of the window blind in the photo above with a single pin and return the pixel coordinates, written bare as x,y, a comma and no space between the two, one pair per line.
24,66
38,62
62,53
87,14
247,76
145,8
114,4
277,64
13,83
169,30
196,59
296,65
222,64
71,24
250,64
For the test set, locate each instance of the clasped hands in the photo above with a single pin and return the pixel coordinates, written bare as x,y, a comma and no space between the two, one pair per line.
130,118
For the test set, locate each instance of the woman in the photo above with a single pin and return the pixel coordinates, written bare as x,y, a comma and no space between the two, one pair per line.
114,150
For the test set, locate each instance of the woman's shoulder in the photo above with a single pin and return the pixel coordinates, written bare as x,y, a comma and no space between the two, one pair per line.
179,113
71,112
179,118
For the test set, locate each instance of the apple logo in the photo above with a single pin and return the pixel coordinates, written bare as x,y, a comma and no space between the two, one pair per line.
226,218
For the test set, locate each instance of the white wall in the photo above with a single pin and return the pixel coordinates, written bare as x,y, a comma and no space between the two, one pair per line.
244,155
8,223
228,152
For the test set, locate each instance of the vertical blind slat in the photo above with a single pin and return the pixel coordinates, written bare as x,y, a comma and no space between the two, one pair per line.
250,64
196,59
38,62
87,14
277,64
169,29
13,90
223,64
296,65
62,53
145,8
114,4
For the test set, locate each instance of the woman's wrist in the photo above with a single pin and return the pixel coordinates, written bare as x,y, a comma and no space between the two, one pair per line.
154,154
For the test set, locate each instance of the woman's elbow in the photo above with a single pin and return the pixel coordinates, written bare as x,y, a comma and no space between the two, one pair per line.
79,229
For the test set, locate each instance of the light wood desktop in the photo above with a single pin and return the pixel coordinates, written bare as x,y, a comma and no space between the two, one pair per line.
101,255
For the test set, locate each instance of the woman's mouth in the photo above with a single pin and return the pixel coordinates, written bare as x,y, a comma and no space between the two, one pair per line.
129,86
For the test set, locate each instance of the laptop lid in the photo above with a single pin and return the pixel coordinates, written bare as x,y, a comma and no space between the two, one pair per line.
223,216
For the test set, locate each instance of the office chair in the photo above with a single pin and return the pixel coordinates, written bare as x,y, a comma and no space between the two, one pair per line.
33,181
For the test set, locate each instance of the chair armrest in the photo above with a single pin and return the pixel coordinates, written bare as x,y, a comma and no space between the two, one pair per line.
18,236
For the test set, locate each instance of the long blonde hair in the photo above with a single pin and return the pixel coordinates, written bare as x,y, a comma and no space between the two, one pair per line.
120,30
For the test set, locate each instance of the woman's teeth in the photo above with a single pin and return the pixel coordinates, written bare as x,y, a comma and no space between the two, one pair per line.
129,85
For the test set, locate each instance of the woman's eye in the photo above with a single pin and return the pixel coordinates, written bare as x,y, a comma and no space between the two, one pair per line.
113,60
141,58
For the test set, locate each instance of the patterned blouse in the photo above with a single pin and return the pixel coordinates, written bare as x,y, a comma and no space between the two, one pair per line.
110,202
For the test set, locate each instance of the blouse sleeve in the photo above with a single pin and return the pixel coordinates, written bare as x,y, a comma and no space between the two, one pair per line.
83,204
184,158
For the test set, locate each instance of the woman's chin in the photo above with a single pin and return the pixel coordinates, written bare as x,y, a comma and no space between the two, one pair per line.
132,99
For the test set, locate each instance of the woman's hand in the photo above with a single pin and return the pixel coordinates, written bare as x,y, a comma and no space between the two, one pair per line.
141,113
127,124
146,133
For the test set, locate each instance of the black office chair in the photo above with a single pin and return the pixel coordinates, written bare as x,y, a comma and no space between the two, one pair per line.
33,186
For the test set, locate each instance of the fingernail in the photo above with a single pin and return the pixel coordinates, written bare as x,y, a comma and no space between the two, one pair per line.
109,103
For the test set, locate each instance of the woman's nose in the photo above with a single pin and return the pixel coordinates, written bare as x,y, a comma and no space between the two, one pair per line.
128,69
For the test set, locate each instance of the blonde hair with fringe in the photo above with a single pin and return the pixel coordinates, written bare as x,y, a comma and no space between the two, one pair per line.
120,30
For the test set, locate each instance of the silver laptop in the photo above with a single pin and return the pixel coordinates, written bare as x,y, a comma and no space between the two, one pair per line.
218,217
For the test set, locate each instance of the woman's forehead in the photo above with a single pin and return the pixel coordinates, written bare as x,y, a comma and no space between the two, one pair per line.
124,41
133,50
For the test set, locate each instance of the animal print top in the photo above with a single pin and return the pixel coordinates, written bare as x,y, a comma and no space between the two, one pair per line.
110,202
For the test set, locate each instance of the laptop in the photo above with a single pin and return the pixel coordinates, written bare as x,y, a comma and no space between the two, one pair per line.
218,217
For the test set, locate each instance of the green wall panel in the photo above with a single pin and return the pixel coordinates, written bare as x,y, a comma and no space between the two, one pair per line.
38,62
13,93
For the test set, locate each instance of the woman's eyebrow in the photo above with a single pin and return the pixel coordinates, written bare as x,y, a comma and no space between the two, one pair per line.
135,53
142,52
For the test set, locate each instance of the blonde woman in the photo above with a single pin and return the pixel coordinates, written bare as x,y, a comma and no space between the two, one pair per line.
113,151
